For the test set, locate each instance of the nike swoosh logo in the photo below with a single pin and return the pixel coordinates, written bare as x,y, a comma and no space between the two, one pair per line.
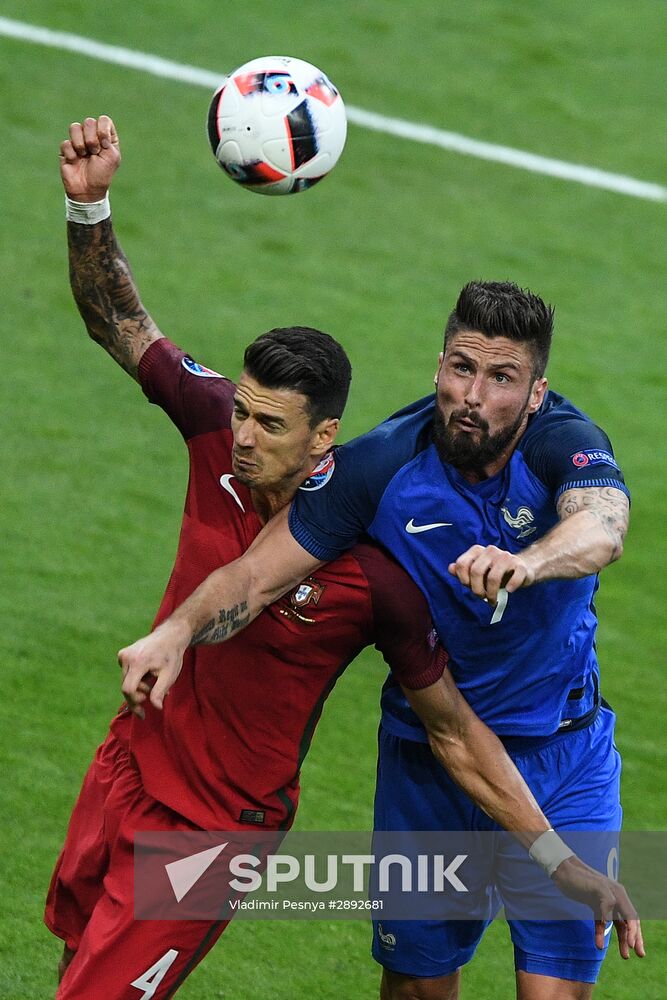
225,482
415,529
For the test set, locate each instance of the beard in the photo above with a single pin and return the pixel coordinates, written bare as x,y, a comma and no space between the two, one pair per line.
471,452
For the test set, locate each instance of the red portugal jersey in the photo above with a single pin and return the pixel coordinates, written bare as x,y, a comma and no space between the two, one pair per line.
227,747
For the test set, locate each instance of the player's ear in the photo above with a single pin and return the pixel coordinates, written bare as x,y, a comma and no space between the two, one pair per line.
540,386
325,434
441,358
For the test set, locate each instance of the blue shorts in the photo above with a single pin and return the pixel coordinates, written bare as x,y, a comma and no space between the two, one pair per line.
575,777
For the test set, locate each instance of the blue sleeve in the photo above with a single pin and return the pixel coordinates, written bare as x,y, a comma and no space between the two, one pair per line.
338,502
331,510
571,452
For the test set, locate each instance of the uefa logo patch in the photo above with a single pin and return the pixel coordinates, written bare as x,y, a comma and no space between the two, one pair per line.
321,474
196,369
581,459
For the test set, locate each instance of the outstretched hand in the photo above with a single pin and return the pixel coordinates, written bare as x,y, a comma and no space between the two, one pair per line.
158,655
89,158
608,900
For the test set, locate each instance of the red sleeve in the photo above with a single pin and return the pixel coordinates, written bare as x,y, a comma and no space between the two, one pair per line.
403,630
197,399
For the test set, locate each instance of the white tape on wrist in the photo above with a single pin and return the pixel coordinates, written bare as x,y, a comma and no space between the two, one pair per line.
87,213
548,851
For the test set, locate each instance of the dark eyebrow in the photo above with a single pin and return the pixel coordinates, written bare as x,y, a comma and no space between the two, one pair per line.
461,354
265,418
497,367
270,418
506,364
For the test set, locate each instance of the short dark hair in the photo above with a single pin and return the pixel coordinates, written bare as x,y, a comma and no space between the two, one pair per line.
502,309
304,360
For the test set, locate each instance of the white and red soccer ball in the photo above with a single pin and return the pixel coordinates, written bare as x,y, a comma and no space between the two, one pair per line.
277,125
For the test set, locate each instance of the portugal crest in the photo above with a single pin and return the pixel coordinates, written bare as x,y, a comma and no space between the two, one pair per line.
308,592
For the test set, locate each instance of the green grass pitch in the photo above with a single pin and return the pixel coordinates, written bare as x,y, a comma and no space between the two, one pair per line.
93,478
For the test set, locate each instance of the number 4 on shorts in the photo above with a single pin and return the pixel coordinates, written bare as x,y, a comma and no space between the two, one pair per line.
149,980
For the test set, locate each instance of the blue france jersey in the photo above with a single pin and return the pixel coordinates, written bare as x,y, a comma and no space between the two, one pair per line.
529,664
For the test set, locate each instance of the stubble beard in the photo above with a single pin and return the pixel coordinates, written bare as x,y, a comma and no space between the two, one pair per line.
247,478
255,478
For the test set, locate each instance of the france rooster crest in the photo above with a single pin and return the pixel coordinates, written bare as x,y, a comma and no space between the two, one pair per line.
522,521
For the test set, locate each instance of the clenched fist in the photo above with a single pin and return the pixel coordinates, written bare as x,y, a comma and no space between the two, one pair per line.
89,158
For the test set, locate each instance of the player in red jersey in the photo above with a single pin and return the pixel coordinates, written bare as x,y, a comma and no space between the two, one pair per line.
225,752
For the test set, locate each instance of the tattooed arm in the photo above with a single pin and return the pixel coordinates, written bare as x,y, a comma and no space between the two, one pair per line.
100,275
592,529
589,536
106,295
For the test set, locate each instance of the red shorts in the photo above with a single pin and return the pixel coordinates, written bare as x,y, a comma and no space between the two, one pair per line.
90,904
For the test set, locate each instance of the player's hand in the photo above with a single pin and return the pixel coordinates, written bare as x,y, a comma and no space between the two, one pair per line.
89,158
158,655
485,569
607,899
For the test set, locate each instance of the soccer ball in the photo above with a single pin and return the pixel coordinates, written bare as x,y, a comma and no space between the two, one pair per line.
277,125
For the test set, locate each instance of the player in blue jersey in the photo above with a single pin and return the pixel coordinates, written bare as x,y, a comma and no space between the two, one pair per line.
504,501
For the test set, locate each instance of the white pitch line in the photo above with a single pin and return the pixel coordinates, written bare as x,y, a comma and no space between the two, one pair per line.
590,176
425,134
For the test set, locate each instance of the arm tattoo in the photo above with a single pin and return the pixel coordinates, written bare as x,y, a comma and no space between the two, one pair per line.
610,506
106,295
218,629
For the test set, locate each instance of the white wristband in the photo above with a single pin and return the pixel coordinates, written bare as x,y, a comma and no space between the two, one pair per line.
548,851
87,213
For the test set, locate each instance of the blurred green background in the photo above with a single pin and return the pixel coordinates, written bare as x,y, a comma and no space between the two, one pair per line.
94,478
